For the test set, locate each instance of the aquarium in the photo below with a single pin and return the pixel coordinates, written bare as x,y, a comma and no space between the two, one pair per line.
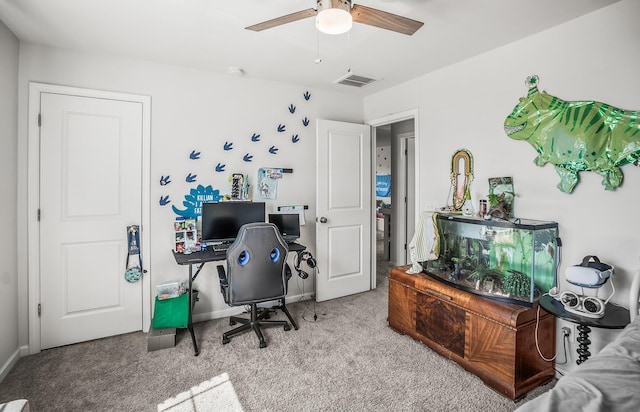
513,260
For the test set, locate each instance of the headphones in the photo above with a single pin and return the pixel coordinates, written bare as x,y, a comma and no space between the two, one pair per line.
306,257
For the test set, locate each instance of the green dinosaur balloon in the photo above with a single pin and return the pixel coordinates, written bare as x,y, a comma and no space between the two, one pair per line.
576,136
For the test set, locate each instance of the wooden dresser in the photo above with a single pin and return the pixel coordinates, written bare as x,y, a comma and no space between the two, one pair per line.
492,339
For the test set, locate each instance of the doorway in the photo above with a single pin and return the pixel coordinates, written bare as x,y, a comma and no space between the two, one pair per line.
395,211
81,142
343,228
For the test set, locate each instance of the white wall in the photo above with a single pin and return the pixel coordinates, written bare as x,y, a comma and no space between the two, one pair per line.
197,110
9,48
464,106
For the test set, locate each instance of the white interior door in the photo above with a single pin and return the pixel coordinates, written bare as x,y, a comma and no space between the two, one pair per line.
90,191
343,207
410,173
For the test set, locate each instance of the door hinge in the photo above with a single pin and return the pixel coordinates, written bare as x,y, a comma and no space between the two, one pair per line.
39,120
39,309
38,215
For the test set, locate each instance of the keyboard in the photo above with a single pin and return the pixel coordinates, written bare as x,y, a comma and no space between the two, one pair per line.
220,248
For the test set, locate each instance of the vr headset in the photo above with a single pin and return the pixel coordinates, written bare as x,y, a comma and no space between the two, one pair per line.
593,274
589,274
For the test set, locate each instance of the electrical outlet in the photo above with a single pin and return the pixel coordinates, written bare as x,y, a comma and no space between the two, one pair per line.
569,332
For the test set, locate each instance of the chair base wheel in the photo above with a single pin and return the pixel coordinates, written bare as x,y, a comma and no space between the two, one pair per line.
263,345
287,327
232,322
225,340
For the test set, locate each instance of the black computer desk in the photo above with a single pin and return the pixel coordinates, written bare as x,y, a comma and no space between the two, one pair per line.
197,260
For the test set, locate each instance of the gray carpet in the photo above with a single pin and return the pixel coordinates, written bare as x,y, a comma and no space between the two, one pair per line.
347,360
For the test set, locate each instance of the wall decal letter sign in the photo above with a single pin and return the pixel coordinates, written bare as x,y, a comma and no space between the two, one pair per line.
193,201
576,136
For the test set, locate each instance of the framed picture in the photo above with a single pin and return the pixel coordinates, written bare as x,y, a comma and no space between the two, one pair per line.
501,192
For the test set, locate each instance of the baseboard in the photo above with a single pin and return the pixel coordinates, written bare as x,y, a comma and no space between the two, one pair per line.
10,363
24,351
236,310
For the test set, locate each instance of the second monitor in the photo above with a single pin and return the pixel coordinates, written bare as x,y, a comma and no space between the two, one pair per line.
288,224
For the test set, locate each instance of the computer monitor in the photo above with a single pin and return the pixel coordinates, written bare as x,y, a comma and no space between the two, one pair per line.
221,221
288,224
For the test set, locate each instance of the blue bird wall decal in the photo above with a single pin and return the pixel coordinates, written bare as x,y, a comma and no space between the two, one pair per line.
295,138
164,200
228,146
255,138
247,157
292,108
281,128
307,96
305,122
273,150
165,180
220,167
194,155
191,178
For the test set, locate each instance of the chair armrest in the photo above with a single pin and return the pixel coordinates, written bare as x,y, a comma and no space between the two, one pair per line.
224,283
222,275
287,271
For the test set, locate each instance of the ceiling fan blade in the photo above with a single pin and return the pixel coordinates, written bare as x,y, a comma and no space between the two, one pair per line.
384,20
299,15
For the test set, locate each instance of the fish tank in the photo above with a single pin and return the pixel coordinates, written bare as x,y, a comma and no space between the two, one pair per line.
514,261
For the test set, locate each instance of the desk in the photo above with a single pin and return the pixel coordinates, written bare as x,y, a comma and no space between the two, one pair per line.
615,317
197,260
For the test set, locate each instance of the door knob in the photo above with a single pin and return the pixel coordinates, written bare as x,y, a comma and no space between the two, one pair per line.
323,219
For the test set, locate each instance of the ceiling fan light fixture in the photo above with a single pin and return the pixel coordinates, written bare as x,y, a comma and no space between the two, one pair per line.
334,18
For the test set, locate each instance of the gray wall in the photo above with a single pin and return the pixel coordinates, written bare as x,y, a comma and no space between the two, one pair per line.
9,50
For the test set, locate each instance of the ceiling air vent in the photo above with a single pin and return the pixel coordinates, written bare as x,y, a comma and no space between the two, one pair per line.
355,80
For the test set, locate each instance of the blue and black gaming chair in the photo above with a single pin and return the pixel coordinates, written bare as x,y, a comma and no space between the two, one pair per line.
256,272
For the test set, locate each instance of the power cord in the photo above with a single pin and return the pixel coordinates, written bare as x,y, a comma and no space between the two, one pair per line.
306,302
565,337
307,257
538,344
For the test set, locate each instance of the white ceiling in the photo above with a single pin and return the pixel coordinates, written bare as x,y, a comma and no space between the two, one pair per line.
210,34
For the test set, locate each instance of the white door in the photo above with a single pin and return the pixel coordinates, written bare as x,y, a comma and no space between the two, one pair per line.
90,191
410,173
343,207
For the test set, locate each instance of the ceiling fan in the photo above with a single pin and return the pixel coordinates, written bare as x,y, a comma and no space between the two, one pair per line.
343,9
